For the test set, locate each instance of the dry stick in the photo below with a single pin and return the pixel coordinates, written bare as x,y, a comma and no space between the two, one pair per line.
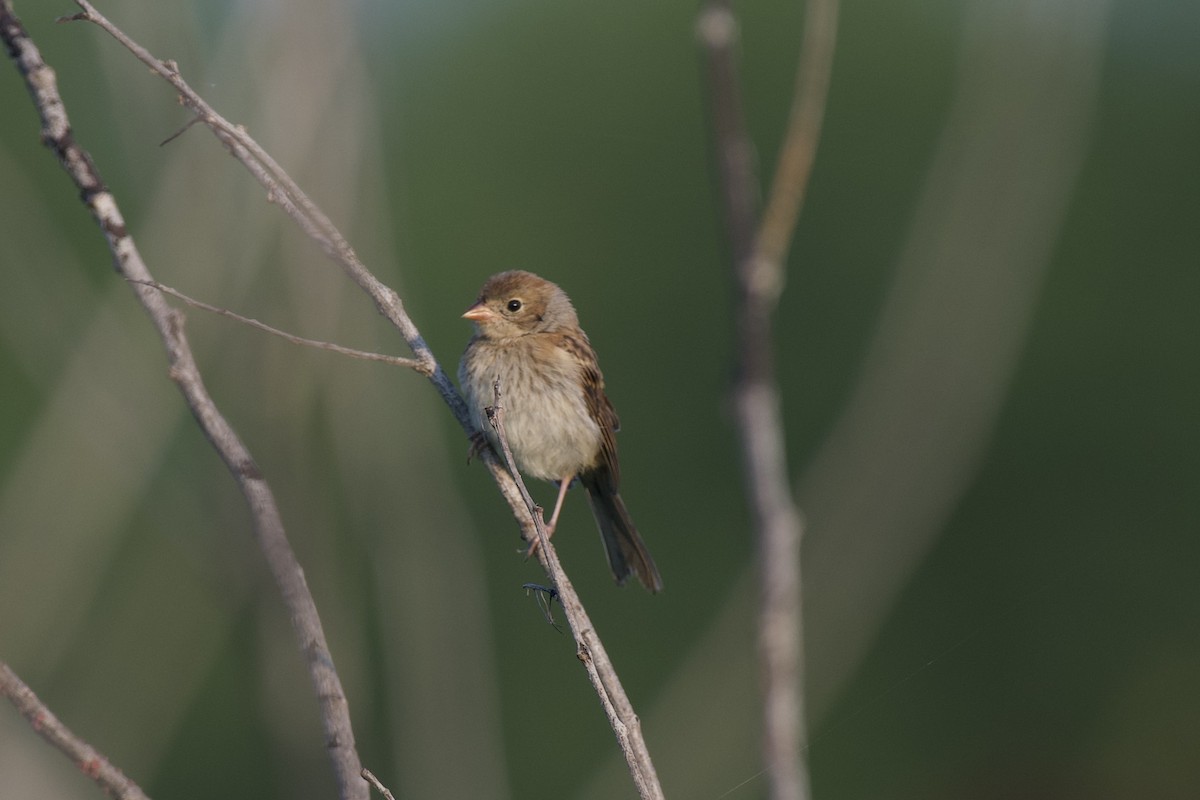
281,189
284,191
268,526
89,761
790,181
759,249
395,361
379,787
590,650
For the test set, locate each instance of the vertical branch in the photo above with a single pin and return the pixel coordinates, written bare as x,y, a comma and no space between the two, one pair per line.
804,130
268,524
737,174
758,250
89,761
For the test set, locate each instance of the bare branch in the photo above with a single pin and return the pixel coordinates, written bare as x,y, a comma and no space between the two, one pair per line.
804,130
396,361
717,31
85,757
268,525
589,648
282,190
379,787
759,248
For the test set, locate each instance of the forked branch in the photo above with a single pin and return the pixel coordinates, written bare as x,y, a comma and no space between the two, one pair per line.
759,246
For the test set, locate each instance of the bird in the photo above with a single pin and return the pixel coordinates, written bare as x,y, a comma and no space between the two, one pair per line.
558,420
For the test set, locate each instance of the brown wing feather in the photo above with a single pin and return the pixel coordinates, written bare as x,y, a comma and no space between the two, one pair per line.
607,471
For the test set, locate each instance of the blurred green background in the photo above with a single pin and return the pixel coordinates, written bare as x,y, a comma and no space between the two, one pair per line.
989,348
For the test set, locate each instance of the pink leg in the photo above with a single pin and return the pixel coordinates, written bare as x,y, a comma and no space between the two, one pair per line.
562,493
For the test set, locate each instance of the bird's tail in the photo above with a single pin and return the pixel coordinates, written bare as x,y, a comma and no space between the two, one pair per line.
623,545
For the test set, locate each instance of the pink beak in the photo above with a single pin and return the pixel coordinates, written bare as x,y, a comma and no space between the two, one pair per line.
479,313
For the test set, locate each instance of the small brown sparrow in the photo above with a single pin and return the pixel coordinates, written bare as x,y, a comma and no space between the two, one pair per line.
559,422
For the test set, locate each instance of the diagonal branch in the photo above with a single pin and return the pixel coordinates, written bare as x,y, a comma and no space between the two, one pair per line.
89,761
589,648
284,191
759,248
268,525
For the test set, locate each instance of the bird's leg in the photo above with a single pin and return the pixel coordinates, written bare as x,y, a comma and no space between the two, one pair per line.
479,444
562,493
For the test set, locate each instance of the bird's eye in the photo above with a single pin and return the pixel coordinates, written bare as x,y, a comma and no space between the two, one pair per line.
514,305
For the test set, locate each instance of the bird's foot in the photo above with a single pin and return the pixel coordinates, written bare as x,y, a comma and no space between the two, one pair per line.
479,445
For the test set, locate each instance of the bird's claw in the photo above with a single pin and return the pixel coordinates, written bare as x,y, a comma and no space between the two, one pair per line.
479,445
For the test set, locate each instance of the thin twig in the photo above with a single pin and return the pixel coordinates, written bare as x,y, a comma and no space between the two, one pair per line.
395,361
796,157
717,31
589,648
86,758
759,248
268,525
379,787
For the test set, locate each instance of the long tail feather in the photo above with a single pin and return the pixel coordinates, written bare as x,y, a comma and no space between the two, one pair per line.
627,554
